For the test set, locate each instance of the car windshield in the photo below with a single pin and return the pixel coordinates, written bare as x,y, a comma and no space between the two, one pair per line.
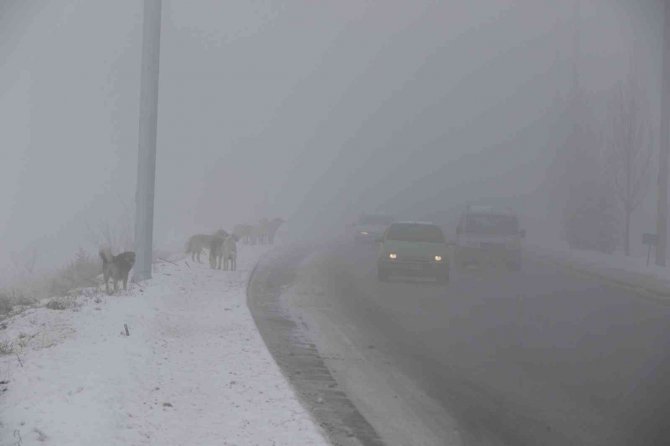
414,232
492,224
375,220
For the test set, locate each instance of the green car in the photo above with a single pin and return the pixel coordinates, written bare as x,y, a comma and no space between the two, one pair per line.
414,249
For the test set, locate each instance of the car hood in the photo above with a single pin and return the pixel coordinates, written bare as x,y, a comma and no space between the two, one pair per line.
414,249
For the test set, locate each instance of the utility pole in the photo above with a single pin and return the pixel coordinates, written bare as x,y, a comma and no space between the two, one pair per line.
662,195
146,160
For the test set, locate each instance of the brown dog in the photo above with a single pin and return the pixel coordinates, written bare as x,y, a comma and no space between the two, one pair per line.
216,252
198,242
116,267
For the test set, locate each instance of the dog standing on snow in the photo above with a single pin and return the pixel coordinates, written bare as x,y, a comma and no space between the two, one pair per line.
116,267
216,252
230,253
198,242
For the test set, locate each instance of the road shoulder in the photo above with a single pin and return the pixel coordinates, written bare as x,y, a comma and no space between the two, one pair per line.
651,282
298,357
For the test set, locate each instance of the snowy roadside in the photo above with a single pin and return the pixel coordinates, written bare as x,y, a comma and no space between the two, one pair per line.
626,271
193,371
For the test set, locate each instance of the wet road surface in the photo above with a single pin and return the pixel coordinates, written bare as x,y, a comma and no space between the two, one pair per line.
542,356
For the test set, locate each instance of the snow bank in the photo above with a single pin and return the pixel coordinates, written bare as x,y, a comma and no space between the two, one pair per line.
628,271
193,370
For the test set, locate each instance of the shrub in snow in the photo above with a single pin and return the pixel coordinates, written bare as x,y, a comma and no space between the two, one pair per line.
12,298
5,304
56,305
61,303
6,348
82,272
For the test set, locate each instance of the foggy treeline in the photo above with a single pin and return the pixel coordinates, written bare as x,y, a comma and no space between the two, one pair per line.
601,171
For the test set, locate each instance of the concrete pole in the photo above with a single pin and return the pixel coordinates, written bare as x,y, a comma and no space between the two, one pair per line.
146,161
662,195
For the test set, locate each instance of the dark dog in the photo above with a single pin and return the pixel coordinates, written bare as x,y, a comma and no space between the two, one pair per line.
116,267
216,252
198,242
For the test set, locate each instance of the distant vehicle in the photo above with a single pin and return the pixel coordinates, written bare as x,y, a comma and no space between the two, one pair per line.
413,248
486,234
370,227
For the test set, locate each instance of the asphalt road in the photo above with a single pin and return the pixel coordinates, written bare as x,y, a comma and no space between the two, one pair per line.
538,357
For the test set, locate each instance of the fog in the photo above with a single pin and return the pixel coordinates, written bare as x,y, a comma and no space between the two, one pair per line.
311,111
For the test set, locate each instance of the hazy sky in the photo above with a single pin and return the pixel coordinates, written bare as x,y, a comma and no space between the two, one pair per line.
302,109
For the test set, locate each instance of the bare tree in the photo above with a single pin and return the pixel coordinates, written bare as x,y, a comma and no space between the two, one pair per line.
117,237
664,149
585,204
630,150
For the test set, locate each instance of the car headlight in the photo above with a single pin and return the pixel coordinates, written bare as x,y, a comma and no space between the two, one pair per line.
364,233
438,258
393,256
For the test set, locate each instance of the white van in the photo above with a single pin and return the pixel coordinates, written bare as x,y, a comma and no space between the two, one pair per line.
489,235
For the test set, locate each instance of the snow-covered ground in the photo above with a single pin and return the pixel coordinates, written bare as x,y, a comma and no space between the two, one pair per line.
631,271
193,371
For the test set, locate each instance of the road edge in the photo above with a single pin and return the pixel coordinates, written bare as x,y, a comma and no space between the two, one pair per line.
297,356
641,284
